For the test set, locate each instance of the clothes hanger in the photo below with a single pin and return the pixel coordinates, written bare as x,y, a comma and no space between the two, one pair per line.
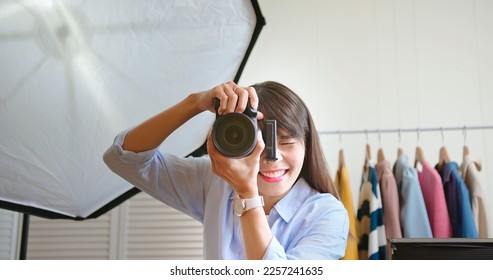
466,152
367,157
419,156
342,159
380,153
443,157
400,151
368,153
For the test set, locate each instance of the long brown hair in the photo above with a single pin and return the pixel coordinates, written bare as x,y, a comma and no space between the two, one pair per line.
278,102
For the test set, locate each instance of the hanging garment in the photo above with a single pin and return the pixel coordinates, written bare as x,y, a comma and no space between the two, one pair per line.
390,199
458,201
371,229
434,197
414,218
471,176
344,188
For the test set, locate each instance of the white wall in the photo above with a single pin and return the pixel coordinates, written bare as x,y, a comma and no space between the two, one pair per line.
385,64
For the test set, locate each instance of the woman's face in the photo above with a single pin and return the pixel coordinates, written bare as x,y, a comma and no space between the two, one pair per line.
276,178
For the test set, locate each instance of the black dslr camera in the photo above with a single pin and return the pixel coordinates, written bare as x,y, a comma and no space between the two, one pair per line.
235,134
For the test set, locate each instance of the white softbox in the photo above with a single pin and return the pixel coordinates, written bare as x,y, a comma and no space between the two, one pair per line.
74,73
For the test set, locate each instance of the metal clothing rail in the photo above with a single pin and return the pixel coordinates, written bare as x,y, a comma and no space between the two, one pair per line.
401,130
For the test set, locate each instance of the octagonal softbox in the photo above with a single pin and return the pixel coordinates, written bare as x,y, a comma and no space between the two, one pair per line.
75,73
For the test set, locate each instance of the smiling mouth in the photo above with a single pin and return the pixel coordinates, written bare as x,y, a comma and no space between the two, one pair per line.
273,174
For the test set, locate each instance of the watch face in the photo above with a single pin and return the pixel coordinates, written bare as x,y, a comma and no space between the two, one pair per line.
238,206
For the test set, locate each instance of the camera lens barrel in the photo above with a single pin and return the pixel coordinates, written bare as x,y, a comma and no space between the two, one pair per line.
234,134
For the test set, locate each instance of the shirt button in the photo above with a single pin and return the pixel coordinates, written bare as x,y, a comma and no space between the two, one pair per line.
274,212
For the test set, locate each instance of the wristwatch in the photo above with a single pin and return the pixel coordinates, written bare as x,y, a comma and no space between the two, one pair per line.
241,205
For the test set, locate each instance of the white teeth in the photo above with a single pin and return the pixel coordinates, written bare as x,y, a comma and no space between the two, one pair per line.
273,174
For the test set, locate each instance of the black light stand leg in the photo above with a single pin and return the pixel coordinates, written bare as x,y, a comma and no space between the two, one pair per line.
24,236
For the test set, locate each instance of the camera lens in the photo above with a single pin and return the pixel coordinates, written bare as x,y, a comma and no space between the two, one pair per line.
234,135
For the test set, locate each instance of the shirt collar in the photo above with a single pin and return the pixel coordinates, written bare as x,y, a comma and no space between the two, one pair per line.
292,201
468,160
447,170
401,164
382,167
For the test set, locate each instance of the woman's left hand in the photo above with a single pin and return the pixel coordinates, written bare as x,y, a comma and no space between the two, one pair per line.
240,173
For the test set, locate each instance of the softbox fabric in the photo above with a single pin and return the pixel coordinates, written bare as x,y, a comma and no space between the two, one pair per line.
75,73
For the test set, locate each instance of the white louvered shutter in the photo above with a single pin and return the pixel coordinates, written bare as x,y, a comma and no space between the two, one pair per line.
140,228
157,231
9,228
69,239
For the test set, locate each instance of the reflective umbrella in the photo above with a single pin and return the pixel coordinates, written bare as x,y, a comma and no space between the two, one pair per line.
75,73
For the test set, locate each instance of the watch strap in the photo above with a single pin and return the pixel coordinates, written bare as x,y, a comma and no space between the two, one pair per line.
254,202
241,205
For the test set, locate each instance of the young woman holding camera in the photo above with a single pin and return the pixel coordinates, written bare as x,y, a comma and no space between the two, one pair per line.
250,207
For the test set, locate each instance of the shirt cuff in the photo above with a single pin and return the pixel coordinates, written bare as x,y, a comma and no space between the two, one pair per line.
129,156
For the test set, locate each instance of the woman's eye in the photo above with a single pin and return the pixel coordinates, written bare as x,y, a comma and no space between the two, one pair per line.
288,142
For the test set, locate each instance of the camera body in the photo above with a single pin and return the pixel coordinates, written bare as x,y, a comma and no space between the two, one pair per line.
235,134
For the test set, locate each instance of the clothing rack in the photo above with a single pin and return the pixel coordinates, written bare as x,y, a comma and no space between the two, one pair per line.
400,130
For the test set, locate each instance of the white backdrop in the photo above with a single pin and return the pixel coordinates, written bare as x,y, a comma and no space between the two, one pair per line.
75,73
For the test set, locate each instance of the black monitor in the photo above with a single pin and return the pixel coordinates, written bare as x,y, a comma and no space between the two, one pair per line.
440,248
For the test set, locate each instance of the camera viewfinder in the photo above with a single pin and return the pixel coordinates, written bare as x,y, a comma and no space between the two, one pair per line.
271,140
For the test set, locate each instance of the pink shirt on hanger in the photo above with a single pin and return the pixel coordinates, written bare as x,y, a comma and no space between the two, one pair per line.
434,197
390,199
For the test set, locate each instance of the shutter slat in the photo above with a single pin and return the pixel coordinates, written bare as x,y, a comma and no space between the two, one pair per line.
69,239
157,231
8,229
153,231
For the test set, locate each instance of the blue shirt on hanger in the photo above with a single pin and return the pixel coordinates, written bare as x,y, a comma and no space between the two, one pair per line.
458,202
414,218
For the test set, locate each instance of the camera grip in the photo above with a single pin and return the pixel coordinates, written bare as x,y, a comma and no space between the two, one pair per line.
217,103
249,111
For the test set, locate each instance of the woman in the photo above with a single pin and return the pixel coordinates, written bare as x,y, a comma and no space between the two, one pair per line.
285,209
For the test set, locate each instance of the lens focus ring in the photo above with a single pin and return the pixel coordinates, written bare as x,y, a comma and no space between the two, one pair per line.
234,135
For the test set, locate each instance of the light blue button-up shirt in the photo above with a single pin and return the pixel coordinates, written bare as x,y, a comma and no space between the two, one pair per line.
305,223
414,218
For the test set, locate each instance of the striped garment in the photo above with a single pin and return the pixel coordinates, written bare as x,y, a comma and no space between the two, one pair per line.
371,229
